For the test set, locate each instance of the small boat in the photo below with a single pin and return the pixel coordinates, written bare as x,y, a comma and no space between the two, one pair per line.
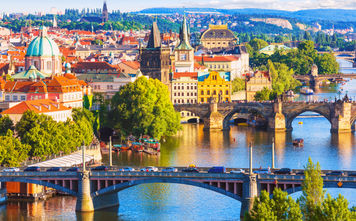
299,142
137,146
242,124
300,122
119,147
306,91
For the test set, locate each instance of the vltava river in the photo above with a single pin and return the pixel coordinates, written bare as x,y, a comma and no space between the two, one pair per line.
193,145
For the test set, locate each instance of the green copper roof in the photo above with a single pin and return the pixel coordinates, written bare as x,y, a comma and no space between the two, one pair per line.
31,73
43,45
184,36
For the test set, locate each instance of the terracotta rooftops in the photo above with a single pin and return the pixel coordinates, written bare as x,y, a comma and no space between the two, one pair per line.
193,75
38,106
209,58
93,65
132,64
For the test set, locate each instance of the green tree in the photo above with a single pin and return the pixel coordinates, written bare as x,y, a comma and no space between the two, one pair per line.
280,207
312,192
29,120
144,107
335,209
265,95
258,44
238,84
12,151
5,125
327,64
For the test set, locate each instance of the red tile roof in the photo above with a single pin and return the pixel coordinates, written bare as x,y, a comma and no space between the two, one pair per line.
218,58
193,75
99,65
38,106
132,64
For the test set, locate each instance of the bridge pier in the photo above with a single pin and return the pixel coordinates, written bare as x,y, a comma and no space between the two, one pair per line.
341,121
249,193
278,121
84,200
215,119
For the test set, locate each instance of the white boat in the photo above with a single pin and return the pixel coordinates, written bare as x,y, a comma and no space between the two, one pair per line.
306,91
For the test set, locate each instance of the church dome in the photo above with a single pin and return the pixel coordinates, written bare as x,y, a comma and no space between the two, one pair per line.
43,46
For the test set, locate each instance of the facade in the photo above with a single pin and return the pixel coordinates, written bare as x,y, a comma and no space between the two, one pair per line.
184,88
48,107
227,63
218,36
129,67
43,53
214,86
184,52
155,59
257,82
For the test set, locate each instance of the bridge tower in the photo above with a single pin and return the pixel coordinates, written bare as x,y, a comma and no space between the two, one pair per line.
341,119
249,193
215,120
278,121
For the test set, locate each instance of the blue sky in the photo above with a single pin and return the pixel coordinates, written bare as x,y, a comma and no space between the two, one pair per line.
134,5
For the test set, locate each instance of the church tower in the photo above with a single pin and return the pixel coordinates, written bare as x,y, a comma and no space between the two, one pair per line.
184,52
155,58
105,13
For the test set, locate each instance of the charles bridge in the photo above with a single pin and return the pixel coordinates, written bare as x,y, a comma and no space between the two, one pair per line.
341,114
98,189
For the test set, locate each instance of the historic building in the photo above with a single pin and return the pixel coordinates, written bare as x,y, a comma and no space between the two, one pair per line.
184,52
184,88
218,36
105,13
43,54
155,59
257,82
214,86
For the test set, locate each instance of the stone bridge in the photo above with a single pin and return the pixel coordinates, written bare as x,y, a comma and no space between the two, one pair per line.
280,115
98,189
315,81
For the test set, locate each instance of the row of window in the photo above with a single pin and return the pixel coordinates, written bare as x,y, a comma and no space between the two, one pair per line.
187,87
77,96
224,43
185,101
15,98
214,92
217,66
203,100
188,94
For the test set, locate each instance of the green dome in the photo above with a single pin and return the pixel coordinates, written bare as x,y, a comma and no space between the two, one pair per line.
43,46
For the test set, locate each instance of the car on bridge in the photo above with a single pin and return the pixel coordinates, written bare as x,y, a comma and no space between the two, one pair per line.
217,170
127,169
190,170
54,169
169,169
237,171
73,169
336,173
32,169
150,169
100,168
283,171
11,169
262,171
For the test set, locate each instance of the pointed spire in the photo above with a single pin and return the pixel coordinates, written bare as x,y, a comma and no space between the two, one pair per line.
154,40
184,36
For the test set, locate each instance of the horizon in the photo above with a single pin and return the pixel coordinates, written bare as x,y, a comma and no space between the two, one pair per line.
51,6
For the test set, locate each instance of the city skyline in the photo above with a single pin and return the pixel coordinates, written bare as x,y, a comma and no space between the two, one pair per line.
33,6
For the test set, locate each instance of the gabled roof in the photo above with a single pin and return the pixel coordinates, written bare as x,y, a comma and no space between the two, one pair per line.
38,106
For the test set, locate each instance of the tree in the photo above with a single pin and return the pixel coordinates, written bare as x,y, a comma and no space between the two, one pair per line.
238,84
5,125
327,64
335,209
282,77
29,120
280,207
312,192
265,95
144,107
258,44
12,151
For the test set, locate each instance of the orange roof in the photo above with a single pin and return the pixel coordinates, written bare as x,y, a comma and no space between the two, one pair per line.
198,66
219,58
193,75
132,64
38,106
62,84
93,65
17,86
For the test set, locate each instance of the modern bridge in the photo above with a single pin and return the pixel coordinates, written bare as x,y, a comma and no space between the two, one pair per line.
98,189
280,115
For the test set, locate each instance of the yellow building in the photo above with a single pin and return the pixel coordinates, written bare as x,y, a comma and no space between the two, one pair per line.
257,82
214,86
218,36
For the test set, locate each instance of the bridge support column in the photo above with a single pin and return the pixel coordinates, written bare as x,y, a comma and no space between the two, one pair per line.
278,121
215,119
84,200
341,121
249,192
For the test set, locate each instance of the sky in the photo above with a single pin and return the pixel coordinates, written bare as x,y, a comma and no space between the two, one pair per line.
31,6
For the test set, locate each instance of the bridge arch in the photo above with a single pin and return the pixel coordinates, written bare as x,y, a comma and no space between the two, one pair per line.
122,186
247,109
291,117
330,185
39,182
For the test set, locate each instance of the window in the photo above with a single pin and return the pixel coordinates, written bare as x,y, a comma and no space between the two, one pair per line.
7,97
178,87
214,92
175,94
208,92
202,100
183,57
202,92
23,97
49,65
227,92
14,98
175,88
178,94
175,101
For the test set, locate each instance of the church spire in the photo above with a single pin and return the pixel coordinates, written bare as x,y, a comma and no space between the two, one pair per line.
105,13
154,40
184,36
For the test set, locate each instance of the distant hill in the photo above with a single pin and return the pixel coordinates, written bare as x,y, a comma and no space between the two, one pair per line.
337,15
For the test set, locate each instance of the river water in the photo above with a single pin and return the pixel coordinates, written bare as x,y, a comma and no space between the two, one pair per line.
193,145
